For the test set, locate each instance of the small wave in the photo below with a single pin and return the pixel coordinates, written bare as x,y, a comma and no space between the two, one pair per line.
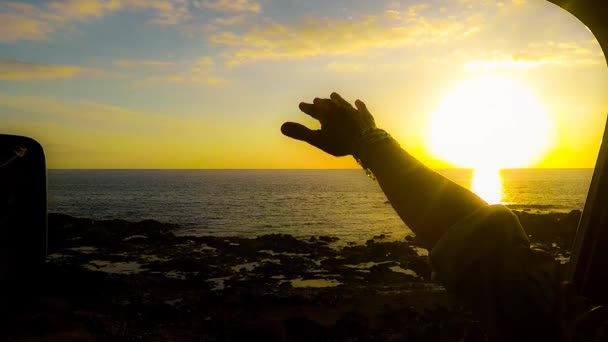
536,206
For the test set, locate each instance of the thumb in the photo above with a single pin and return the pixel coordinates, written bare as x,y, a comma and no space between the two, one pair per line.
298,132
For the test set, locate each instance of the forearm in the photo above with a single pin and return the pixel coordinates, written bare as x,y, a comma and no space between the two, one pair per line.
425,200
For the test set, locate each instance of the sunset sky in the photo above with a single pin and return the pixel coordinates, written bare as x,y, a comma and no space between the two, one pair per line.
207,84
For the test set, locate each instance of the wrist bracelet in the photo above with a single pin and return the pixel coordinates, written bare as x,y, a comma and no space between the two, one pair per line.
367,139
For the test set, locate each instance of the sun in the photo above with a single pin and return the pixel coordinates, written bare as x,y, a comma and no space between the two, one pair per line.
489,123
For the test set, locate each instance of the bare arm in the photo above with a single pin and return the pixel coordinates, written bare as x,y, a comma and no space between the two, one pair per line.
513,288
426,201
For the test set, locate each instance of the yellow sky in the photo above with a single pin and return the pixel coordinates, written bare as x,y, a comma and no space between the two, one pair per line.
207,84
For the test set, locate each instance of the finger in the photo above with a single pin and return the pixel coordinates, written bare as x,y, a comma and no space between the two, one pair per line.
311,110
339,100
361,106
325,107
299,132
322,103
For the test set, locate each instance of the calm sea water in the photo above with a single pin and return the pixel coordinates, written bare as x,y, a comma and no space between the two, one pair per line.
344,203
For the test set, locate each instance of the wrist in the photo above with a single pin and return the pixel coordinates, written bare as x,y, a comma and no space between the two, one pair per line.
366,142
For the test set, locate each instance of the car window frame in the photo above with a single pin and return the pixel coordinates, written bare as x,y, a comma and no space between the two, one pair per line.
589,258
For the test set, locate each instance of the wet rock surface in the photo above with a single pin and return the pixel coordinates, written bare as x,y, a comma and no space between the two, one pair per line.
552,232
119,280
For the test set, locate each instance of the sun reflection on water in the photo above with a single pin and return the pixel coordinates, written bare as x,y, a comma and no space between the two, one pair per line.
487,184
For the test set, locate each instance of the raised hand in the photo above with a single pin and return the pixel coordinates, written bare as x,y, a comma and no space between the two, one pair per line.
341,125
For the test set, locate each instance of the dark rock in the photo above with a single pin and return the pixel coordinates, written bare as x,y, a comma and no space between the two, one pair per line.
328,239
188,288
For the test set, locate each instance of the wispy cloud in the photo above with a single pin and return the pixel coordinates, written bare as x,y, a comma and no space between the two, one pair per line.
230,21
230,5
22,21
195,79
81,9
202,73
168,12
23,71
325,37
393,14
144,63
564,54
11,70
346,67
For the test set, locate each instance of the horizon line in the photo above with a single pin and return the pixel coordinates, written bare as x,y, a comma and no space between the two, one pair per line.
296,169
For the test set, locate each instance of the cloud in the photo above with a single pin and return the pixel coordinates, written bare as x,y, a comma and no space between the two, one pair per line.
393,14
230,21
21,71
414,11
37,22
11,70
202,73
230,5
23,21
331,37
138,64
195,79
168,12
564,54
205,63
82,9
357,67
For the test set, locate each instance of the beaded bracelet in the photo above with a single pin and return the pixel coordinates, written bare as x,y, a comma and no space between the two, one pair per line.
366,140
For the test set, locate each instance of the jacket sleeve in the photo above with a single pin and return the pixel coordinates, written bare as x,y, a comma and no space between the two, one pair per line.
485,260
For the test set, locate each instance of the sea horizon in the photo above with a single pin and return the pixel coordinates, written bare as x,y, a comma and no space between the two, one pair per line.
296,169
300,202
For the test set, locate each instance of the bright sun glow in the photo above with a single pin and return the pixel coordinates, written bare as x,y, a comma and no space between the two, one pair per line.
487,184
488,124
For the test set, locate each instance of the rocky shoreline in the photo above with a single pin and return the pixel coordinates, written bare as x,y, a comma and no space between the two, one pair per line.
119,280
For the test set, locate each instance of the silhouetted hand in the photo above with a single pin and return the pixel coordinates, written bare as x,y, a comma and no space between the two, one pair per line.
341,125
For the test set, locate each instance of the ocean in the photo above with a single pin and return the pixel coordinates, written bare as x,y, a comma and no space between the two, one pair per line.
342,203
